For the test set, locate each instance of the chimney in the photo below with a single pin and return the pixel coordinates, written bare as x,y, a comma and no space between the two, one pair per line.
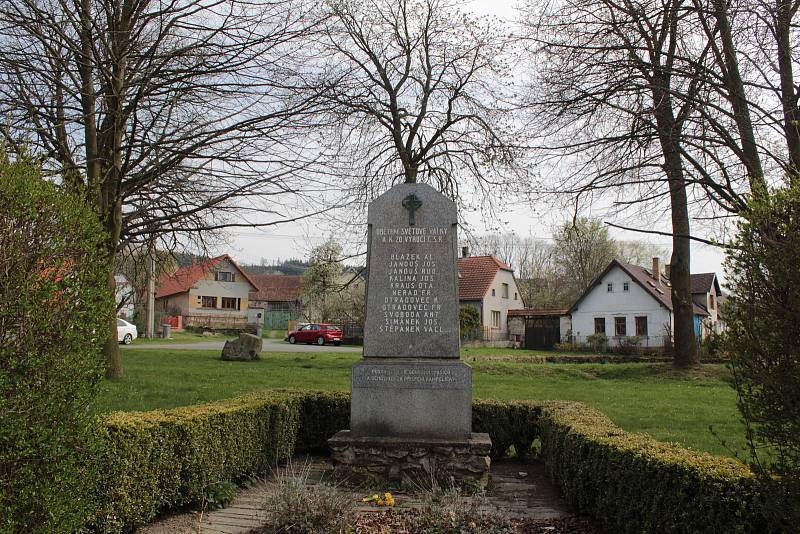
464,252
657,269
667,269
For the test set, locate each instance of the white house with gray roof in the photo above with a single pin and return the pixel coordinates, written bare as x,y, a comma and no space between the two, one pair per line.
629,301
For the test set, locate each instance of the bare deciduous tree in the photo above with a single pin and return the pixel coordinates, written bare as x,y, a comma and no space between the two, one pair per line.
170,118
415,94
608,83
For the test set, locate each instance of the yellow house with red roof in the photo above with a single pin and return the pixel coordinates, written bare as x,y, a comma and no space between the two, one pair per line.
212,293
489,285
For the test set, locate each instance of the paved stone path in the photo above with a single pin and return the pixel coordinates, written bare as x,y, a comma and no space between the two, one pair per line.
517,489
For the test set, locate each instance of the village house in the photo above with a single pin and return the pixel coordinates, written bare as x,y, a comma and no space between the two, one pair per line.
279,296
489,285
209,294
707,294
628,301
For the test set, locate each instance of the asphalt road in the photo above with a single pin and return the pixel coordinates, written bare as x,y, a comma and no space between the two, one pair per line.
270,345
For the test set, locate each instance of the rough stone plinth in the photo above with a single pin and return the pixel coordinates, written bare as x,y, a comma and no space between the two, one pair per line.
411,398
246,348
412,462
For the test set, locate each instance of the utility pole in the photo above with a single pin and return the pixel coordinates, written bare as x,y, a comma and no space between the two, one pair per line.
151,290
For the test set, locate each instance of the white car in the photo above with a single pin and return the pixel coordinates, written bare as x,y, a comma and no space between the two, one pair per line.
126,332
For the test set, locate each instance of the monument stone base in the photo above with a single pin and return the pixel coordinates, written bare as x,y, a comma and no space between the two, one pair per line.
412,462
402,397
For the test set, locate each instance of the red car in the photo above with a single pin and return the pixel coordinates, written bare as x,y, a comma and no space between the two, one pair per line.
317,333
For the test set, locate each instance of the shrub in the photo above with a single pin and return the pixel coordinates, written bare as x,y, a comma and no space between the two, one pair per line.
166,459
632,483
321,416
598,342
711,347
296,506
627,346
763,341
446,511
507,423
469,322
567,346
53,297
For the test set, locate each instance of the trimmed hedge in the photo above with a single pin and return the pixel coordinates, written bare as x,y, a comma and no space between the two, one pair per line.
322,414
633,483
630,482
154,461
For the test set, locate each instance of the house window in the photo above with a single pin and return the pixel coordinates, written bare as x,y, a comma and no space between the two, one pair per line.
626,286
610,287
493,294
230,303
208,302
599,325
620,327
504,292
496,319
711,301
224,276
515,296
641,326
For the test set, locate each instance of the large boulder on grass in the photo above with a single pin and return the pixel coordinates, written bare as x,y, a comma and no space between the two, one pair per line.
244,349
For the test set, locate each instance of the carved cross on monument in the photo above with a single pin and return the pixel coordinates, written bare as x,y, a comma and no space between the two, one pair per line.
412,204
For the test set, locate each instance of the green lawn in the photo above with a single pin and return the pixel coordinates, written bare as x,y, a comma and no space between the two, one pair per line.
180,338
651,398
193,337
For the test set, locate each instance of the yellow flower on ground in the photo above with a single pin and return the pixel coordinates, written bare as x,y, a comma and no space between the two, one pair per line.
386,500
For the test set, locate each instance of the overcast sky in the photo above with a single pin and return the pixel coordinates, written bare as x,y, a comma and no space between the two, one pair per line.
294,240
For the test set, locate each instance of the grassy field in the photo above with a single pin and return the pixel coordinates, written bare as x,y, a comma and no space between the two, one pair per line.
651,398
193,337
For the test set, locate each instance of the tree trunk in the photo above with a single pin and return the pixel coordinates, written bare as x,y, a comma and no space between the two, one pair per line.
685,349
111,353
113,224
738,99
789,97
685,346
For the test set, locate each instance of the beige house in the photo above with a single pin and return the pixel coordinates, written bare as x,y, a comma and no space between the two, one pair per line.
707,293
489,285
210,294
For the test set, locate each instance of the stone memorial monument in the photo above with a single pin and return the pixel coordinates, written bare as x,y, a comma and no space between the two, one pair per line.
411,407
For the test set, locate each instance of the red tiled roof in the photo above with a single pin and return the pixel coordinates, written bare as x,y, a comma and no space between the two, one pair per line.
184,278
475,275
277,287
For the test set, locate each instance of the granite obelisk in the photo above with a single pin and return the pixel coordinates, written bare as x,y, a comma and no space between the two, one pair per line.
411,394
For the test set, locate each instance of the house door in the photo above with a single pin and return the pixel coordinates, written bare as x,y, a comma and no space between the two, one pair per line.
542,332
